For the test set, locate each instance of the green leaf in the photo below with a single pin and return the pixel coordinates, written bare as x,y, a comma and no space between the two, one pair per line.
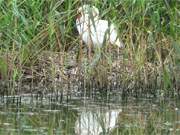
3,67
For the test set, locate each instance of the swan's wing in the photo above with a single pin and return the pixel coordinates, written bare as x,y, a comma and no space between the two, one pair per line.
99,32
114,39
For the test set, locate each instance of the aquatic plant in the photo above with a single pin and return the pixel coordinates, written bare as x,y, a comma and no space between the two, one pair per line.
39,45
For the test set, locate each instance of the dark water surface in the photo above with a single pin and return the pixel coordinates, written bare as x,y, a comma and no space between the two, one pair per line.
29,115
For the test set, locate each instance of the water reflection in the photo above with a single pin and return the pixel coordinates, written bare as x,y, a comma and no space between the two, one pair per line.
89,117
96,122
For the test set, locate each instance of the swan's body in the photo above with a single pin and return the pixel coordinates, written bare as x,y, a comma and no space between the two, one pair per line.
95,31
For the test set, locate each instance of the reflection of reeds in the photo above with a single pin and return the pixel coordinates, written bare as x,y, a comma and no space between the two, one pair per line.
149,61
47,116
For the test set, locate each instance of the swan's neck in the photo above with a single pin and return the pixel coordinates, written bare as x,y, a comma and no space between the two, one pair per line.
87,19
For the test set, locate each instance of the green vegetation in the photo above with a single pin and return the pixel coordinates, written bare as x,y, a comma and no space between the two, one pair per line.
39,45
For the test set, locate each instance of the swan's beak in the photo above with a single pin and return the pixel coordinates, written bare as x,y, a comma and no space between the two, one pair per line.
79,15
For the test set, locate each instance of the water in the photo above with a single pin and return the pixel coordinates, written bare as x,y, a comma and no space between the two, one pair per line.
88,116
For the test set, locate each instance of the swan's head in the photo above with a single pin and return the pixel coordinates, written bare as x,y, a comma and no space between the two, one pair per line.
88,11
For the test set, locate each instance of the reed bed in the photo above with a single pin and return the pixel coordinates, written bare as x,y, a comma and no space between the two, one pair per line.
40,50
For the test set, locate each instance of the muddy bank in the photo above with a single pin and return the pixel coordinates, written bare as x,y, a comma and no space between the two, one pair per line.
56,72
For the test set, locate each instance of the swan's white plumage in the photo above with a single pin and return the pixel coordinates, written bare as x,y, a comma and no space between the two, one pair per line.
95,31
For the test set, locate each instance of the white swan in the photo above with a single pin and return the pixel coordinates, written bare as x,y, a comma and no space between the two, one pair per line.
95,31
